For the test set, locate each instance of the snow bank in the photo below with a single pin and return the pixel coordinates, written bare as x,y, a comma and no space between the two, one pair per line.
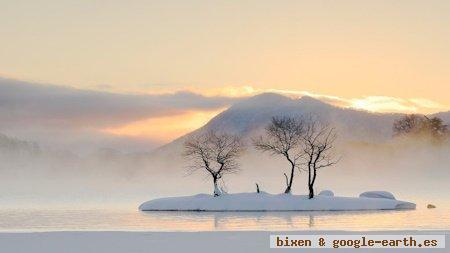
377,194
326,193
271,202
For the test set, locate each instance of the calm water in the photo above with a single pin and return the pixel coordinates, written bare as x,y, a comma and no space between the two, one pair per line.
133,220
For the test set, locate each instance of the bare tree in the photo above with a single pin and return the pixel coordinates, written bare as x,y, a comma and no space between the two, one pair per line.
407,124
318,141
284,137
216,153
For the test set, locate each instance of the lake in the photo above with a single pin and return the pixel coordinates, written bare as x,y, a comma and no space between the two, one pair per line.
130,219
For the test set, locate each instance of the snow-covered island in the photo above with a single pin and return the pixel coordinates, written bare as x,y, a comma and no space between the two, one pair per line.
305,143
376,200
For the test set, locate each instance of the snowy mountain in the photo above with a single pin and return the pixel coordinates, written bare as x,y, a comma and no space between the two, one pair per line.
255,113
249,116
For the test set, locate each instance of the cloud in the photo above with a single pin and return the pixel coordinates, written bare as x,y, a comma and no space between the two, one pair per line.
382,104
75,119
37,105
397,105
23,103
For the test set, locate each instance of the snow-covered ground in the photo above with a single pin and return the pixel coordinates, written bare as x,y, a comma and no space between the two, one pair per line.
167,242
280,202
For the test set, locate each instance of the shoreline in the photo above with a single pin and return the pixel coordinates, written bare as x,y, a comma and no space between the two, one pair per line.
313,232
260,202
216,241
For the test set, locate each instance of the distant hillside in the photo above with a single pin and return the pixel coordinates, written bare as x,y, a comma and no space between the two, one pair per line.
255,113
251,115
445,116
13,145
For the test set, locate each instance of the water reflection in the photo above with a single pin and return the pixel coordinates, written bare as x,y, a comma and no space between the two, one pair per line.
133,220
311,220
280,220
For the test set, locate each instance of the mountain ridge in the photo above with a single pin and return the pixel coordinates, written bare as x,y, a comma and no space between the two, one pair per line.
254,113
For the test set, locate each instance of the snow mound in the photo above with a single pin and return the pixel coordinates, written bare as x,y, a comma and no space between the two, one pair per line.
271,202
377,194
326,193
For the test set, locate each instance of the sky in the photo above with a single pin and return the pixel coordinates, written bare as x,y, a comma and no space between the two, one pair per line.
382,56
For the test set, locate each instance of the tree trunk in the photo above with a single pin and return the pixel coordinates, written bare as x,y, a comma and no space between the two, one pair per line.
217,191
288,189
311,185
311,191
291,179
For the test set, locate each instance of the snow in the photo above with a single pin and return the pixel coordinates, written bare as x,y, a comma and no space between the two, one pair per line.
377,194
271,202
217,191
167,242
326,193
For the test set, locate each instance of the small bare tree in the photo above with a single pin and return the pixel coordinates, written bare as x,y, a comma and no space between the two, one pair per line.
318,141
284,137
216,153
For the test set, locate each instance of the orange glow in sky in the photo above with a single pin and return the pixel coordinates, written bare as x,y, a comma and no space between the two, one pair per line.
165,128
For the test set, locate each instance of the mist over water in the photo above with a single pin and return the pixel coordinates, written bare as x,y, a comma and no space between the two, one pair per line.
413,171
